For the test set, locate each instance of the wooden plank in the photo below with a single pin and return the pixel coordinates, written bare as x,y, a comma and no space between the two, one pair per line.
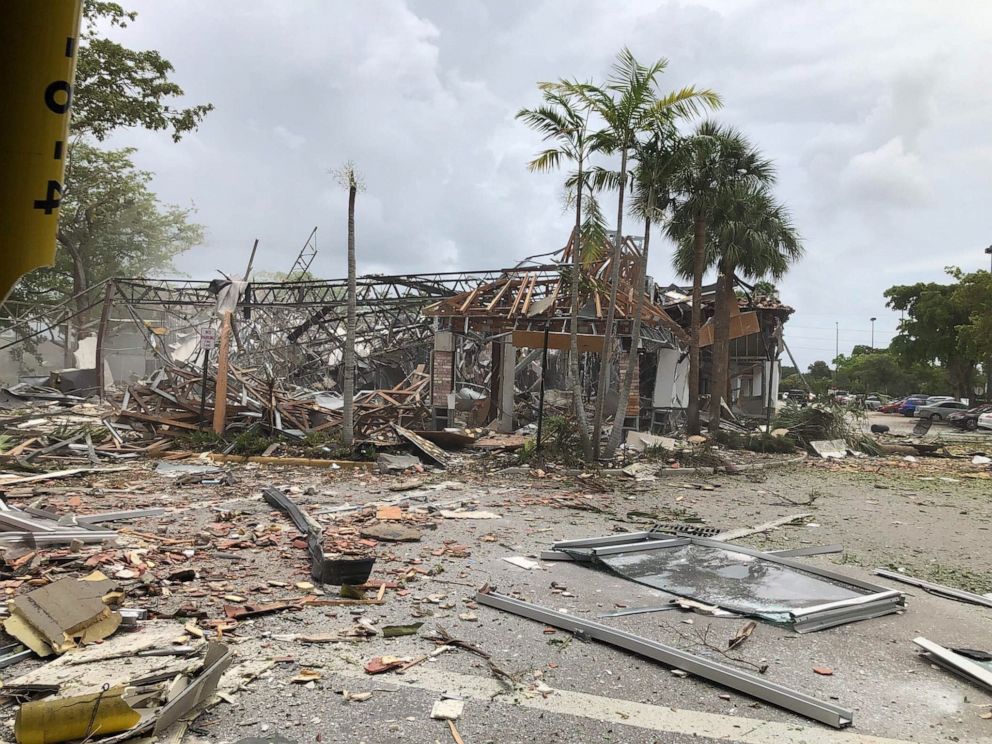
741,325
218,457
520,294
220,391
160,420
530,294
499,295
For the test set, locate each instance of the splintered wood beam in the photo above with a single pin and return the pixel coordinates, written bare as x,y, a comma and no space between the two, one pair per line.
499,295
530,294
220,391
520,294
470,299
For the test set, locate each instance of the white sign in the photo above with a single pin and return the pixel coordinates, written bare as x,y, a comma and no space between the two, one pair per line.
208,338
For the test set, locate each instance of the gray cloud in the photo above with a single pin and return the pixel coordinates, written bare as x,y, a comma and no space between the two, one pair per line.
874,113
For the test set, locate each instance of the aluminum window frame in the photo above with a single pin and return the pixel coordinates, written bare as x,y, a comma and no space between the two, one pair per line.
876,602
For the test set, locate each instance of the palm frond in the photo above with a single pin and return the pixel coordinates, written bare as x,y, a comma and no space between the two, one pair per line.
545,161
594,230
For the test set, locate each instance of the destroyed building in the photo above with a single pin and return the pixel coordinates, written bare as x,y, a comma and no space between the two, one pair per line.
432,350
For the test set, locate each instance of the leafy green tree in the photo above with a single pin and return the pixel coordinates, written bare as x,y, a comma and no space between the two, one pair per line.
881,371
111,224
629,106
115,87
765,288
974,294
937,327
820,370
120,87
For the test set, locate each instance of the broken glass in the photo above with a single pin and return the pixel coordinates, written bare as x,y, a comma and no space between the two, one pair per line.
740,579
731,580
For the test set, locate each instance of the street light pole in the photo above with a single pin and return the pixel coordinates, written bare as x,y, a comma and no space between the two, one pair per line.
873,333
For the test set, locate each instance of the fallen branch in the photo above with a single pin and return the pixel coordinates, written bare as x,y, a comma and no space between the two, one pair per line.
444,638
702,639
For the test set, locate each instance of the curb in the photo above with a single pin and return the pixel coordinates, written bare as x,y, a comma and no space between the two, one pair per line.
666,472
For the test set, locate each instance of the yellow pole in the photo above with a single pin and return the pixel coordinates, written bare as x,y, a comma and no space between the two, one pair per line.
38,48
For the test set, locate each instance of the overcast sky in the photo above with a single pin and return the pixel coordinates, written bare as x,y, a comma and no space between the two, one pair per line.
877,115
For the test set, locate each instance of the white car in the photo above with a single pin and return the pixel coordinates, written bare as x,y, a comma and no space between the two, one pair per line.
985,421
939,411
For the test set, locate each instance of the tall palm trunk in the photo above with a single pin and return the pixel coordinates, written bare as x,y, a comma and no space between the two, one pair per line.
731,301
604,368
573,336
348,426
698,257
640,287
721,348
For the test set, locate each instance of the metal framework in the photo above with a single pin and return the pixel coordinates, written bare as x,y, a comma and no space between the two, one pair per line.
713,671
306,256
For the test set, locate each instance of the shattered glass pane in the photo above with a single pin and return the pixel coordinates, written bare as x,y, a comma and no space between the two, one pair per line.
731,580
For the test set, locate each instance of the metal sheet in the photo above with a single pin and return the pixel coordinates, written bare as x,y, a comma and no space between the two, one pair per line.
713,671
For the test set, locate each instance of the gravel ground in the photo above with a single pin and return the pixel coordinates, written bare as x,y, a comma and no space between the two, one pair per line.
932,518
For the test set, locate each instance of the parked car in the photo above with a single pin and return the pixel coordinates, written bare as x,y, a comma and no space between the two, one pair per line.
841,397
891,406
940,410
799,397
985,421
968,419
909,405
873,401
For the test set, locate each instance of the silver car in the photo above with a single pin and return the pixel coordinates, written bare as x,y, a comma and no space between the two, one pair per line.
940,410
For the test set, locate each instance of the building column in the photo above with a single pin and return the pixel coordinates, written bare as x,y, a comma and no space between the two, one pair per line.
442,379
504,402
633,402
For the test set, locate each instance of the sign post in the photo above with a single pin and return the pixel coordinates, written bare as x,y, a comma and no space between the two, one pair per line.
208,340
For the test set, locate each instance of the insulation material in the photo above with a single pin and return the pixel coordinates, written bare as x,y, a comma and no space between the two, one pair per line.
72,718
52,618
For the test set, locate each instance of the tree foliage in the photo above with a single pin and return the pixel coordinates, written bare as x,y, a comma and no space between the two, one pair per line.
939,327
120,87
820,370
111,224
882,371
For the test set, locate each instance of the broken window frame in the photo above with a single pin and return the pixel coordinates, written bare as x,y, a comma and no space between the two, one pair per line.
876,602
708,669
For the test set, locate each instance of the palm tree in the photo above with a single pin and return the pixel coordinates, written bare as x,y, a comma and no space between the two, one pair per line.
755,236
564,120
649,201
349,179
709,162
628,106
